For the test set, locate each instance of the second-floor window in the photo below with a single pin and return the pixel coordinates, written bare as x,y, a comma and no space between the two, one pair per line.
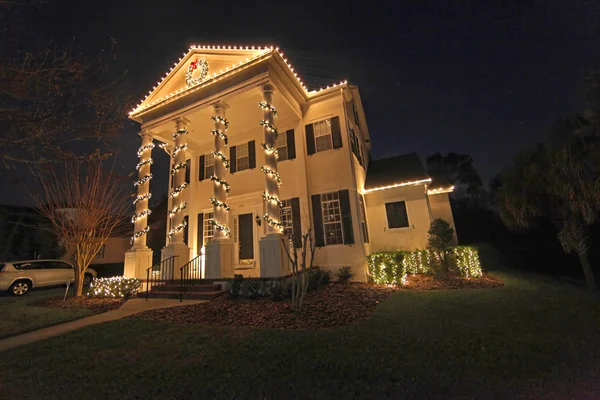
242,157
323,140
209,165
282,148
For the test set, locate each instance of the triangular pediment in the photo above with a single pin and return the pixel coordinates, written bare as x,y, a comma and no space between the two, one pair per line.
203,64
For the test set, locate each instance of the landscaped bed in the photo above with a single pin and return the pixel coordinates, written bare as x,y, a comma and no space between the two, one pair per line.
331,306
95,305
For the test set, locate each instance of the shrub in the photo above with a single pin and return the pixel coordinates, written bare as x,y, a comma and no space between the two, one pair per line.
234,286
317,278
387,267
441,235
467,262
116,286
344,275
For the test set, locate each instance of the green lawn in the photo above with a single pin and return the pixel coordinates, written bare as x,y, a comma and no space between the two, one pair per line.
528,339
19,314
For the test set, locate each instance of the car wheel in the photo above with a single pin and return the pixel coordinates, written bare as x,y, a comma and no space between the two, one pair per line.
87,279
20,288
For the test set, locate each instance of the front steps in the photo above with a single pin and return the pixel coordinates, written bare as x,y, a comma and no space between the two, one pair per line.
195,291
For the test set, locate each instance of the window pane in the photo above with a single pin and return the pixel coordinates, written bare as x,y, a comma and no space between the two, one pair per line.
208,228
209,171
243,161
209,165
285,216
332,218
324,143
281,145
396,214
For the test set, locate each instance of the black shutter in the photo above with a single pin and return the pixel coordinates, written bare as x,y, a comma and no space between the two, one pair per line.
346,217
291,144
310,139
336,133
201,168
186,229
252,154
188,171
232,160
200,235
296,222
318,220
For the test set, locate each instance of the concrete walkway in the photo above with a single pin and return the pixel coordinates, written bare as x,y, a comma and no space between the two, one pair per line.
132,306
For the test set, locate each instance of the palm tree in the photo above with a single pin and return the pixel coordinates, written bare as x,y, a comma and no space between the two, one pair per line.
561,181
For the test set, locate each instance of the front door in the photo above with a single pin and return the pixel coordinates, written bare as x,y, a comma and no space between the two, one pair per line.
245,238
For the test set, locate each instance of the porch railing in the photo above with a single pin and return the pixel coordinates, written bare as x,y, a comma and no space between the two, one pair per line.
159,273
190,272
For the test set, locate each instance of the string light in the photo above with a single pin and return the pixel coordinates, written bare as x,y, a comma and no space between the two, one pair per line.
428,180
142,214
273,222
275,174
178,189
440,190
146,178
218,203
219,119
266,106
189,79
178,208
180,132
177,167
143,148
142,180
139,234
179,148
272,199
221,134
181,226
137,199
221,182
223,158
270,127
270,149
144,162
220,131
220,227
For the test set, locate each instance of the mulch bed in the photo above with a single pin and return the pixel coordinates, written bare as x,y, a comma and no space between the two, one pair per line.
96,305
332,306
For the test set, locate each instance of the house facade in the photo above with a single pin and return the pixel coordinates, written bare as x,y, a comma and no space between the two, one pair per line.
258,160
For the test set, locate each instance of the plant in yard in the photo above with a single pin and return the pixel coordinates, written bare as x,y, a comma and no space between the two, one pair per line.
441,237
85,205
116,286
300,267
344,275
234,286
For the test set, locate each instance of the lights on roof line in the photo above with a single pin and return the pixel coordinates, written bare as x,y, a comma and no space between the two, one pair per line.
440,190
411,183
227,70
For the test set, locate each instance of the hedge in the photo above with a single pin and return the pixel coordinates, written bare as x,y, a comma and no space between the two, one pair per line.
276,288
116,286
393,267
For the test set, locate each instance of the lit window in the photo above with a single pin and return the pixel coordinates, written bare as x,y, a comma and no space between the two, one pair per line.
100,253
397,215
281,145
323,139
242,157
285,216
208,228
332,218
209,165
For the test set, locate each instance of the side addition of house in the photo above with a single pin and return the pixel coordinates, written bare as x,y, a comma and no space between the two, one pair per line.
257,160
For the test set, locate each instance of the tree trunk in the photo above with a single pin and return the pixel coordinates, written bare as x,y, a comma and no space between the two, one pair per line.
587,269
78,284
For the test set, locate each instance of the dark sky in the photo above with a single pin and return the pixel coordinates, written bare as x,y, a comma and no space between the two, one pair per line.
480,77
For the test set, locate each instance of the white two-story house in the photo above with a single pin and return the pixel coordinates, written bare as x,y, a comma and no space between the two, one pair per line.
258,159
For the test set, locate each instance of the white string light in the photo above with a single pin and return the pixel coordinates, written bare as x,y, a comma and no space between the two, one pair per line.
220,131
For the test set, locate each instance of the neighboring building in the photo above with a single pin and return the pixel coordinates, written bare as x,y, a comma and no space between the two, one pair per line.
216,108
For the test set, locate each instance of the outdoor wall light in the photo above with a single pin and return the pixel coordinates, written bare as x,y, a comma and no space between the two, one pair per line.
257,219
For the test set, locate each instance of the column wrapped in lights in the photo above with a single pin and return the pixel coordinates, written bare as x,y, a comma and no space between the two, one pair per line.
272,179
220,186
140,217
179,184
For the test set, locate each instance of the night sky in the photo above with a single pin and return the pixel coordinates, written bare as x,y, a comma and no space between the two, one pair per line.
480,77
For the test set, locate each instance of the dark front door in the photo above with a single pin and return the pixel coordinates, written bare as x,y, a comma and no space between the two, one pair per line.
246,240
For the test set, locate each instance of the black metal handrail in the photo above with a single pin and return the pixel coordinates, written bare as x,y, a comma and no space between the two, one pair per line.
190,272
159,273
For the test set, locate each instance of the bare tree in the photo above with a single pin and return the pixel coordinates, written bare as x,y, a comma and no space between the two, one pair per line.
300,272
85,204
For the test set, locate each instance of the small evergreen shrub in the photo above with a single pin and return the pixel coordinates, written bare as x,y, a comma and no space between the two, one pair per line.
234,286
344,275
275,288
116,286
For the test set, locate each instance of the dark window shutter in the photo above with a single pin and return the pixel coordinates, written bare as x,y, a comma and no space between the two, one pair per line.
200,235
336,133
346,217
310,139
291,144
186,229
201,168
296,222
252,154
232,160
188,171
318,220
365,227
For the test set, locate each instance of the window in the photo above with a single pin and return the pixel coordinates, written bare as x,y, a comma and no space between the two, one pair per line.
209,165
322,132
242,157
396,214
208,228
285,216
363,218
281,145
32,265
332,218
100,253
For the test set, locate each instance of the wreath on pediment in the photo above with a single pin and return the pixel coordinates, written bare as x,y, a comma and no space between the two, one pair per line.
201,75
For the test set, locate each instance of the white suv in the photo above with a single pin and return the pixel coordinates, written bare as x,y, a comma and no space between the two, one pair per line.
18,277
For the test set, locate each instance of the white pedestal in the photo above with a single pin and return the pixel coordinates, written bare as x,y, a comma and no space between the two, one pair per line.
137,262
219,259
183,256
274,261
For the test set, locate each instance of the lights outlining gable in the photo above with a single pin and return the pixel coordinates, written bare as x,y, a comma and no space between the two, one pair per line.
412,183
206,78
440,190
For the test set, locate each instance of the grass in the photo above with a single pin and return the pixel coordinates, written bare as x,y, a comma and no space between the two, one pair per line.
530,339
20,314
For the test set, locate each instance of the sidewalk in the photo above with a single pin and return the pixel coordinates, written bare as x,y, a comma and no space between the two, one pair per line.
132,306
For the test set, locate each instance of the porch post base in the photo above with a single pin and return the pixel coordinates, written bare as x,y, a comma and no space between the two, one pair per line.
219,259
274,261
137,261
183,256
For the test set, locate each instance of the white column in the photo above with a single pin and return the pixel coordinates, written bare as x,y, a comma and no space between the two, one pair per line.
219,251
179,184
273,258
